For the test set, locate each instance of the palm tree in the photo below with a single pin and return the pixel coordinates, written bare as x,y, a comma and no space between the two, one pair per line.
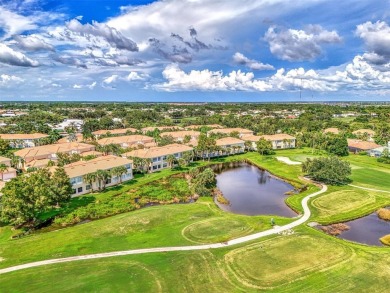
171,160
3,168
101,177
248,145
90,179
119,172
147,162
17,162
187,156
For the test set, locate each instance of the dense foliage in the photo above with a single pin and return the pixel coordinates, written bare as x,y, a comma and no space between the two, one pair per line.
330,170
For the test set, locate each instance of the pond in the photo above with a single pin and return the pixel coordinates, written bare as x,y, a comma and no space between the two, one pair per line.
252,191
367,230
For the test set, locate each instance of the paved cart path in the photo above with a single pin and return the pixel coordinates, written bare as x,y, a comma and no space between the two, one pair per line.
302,219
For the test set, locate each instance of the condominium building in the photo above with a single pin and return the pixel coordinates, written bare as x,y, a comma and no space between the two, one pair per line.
228,131
179,136
50,151
134,141
77,171
21,140
279,141
114,132
158,155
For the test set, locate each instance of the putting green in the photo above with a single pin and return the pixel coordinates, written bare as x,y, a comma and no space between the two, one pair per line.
216,230
341,202
284,259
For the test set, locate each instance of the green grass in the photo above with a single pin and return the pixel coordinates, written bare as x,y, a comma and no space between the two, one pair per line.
150,227
345,203
308,261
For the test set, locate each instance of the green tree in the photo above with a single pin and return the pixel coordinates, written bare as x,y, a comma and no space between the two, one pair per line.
330,170
3,168
101,177
90,178
4,146
62,188
171,160
337,146
119,172
264,147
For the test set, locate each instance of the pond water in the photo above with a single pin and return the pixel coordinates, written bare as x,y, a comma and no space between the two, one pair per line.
367,230
252,191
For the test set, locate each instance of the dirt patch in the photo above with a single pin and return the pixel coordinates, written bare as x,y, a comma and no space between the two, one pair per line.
335,229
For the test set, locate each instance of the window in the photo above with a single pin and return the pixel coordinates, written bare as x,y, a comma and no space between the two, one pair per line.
108,181
165,165
76,180
164,158
154,167
80,189
88,187
128,166
155,159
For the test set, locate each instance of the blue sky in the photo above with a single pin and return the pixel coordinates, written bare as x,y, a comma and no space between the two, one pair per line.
194,50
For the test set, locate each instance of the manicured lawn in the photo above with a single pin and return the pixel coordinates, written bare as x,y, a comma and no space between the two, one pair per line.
346,203
308,261
168,225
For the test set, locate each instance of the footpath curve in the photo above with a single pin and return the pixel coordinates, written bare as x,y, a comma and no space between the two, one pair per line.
302,219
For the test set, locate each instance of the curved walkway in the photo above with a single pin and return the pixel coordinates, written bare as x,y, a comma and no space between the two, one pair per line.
306,215
370,189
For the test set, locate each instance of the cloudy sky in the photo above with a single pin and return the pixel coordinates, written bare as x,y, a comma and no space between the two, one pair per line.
195,50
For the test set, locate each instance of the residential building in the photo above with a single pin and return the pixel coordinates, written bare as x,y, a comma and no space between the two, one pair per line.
377,152
279,140
161,128
133,141
114,132
158,155
227,131
196,127
76,123
228,146
22,140
179,136
10,172
76,172
357,145
50,151
332,130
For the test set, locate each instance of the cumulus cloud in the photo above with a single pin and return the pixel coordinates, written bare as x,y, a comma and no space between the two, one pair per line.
32,43
250,63
7,80
69,60
299,45
13,23
110,34
376,37
132,76
12,57
206,80
85,86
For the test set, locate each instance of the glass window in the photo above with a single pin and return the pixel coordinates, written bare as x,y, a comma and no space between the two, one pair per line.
80,189
88,187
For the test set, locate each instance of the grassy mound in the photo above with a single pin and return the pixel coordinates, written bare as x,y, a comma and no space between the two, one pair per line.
278,261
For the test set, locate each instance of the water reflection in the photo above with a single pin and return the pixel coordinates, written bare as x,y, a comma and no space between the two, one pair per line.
252,191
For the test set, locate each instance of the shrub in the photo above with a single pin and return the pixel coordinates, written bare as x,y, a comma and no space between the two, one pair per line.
384,214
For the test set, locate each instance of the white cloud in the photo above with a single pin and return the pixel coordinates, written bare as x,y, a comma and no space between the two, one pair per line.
11,57
110,34
376,36
132,76
32,43
250,63
13,23
299,45
8,80
206,80
83,86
